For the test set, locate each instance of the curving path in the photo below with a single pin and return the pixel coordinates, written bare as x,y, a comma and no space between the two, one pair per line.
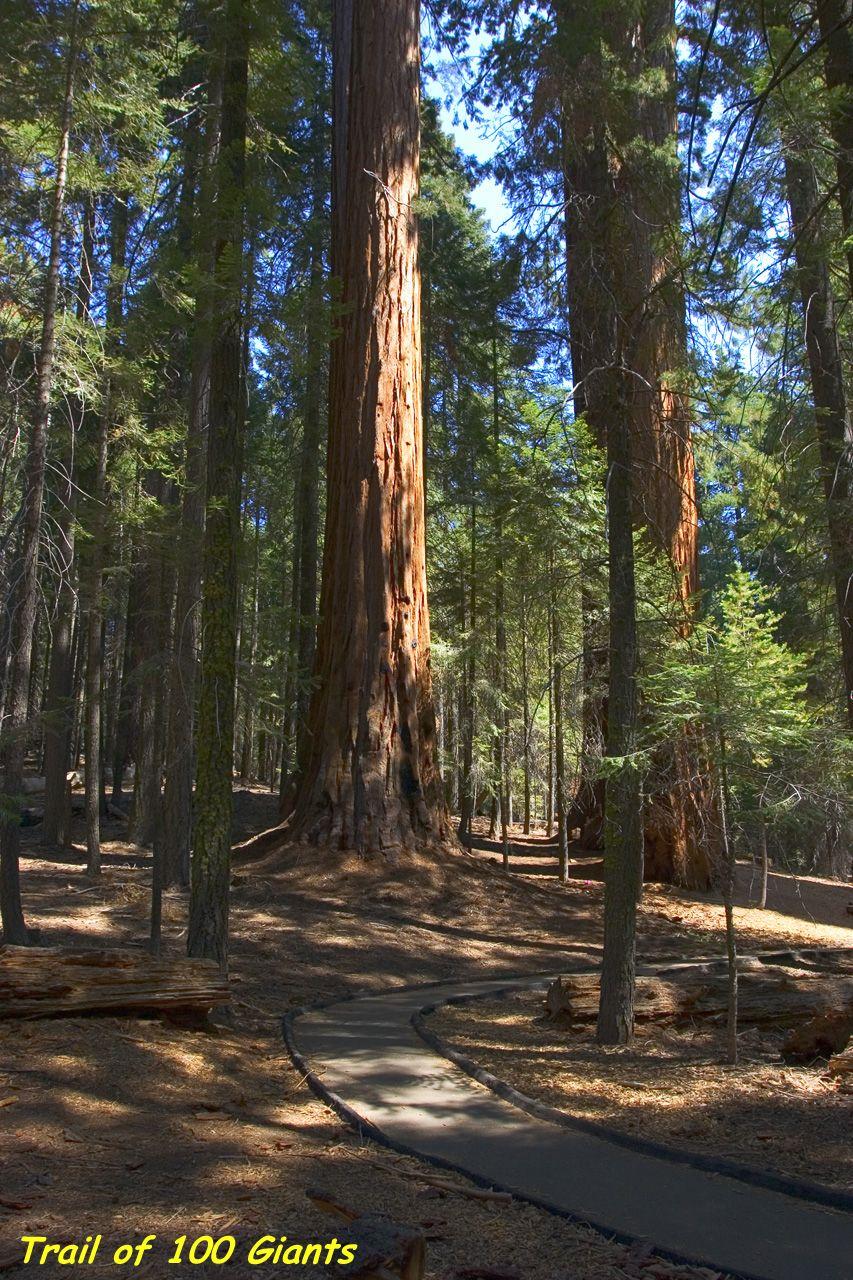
364,1056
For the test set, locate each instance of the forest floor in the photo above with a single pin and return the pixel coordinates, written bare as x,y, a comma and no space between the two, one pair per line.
126,1126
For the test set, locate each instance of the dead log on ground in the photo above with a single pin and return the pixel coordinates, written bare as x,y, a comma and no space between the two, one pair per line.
841,1064
820,1036
781,997
38,982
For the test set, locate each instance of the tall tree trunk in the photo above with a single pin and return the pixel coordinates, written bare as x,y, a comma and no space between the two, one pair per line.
372,780
559,739
59,701
127,688
94,576
151,606
312,436
501,761
765,858
295,735
623,831
681,817
247,754
26,602
549,782
835,18
469,785
286,791
180,754
650,303
178,788
727,885
208,923
525,713
833,420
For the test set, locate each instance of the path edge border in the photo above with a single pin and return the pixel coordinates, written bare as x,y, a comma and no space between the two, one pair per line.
366,1129
798,1188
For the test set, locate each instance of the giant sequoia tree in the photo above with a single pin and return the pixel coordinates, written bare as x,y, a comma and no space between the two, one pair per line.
371,779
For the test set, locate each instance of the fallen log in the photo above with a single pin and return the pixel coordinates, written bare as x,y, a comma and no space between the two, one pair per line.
783,997
841,1064
38,982
819,1037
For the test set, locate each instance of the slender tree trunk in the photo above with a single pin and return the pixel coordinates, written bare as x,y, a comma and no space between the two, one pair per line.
178,788
469,786
26,603
589,797
549,799
372,780
559,742
286,793
765,860
525,713
649,301
293,726
144,814
113,674
128,691
247,755
208,923
453,706
180,754
623,831
164,638
835,18
59,702
500,633
833,419
728,890
97,549
312,436
681,817
303,623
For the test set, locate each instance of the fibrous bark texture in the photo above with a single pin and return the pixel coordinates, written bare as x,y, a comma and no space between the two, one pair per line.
44,981
371,779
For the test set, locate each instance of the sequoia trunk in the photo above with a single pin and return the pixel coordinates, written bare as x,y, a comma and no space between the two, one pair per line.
371,780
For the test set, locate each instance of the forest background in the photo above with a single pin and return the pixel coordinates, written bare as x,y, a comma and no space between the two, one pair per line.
130,168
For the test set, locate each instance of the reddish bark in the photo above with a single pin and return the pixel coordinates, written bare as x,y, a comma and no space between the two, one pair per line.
371,780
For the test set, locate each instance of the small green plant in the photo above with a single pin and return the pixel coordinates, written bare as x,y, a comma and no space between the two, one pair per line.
745,690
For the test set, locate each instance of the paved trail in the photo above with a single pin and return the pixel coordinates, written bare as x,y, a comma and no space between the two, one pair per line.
366,1053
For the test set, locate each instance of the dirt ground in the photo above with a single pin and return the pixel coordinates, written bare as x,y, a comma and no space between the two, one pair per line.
126,1126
